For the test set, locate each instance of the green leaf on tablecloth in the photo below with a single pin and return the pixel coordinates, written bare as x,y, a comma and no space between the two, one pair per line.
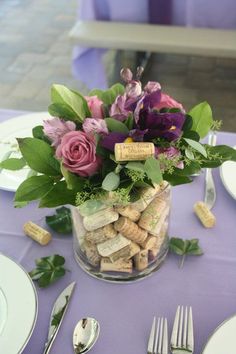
115,125
13,164
58,195
39,156
61,221
111,181
68,102
33,188
153,171
202,118
185,247
48,270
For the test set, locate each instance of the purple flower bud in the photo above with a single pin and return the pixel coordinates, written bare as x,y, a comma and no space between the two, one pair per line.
152,86
139,72
95,125
133,89
126,74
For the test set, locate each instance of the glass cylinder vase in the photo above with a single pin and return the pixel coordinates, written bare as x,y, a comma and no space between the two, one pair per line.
123,243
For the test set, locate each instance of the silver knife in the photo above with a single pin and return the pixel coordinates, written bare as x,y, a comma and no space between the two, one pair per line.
210,191
57,315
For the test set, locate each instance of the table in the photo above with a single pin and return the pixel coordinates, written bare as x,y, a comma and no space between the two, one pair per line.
87,64
125,311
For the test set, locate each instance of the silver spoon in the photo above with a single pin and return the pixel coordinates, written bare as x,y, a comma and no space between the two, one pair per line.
85,335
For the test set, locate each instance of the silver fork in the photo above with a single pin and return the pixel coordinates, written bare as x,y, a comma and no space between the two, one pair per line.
158,340
182,338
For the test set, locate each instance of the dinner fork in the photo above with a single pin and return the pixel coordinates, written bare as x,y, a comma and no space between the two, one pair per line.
182,338
158,340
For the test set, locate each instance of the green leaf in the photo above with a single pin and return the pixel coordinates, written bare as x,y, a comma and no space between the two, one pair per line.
39,134
57,196
202,118
115,125
196,146
39,156
108,96
221,154
74,182
72,101
129,122
188,170
175,179
33,188
136,166
13,164
111,181
63,111
61,221
20,204
96,92
48,270
152,169
177,245
189,154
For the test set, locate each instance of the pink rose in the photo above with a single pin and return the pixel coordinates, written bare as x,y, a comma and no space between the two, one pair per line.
78,153
56,128
95,125
168,102
95,106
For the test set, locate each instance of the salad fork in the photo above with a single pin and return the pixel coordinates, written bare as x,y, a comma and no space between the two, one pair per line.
158,340
182,338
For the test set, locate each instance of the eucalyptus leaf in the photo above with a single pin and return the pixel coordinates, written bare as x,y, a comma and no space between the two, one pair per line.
111,181
202,118
61,221
13,164
33,188
115,125
152,169
196,146
39,156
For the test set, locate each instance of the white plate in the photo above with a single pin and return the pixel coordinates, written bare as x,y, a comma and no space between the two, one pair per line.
228,176
222,341
18,127
18,307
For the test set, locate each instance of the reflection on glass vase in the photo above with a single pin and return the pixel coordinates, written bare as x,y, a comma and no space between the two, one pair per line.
123,243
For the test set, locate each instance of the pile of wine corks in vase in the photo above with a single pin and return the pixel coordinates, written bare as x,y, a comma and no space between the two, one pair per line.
127,238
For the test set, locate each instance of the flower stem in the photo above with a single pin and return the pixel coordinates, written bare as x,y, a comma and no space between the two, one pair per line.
182,261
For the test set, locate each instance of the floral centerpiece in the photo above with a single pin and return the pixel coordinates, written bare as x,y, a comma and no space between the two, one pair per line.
105,152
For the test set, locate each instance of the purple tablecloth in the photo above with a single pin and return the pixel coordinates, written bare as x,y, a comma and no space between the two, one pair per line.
192,13
125,312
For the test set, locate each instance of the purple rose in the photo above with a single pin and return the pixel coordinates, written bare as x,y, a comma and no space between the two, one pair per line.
56,128
95,106
78,153
95,125
170,153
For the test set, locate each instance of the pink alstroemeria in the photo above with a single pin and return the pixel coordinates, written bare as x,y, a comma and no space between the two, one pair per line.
95,106
56,128
95,125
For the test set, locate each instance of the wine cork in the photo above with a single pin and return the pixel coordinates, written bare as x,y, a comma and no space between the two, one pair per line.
123,266
91,252
107,248
158,229
37,233
77,224
204,214
129,212
130,230
99,219
134,249
152,214
134,151
141,260
146,196
101,234
149,243
123,253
